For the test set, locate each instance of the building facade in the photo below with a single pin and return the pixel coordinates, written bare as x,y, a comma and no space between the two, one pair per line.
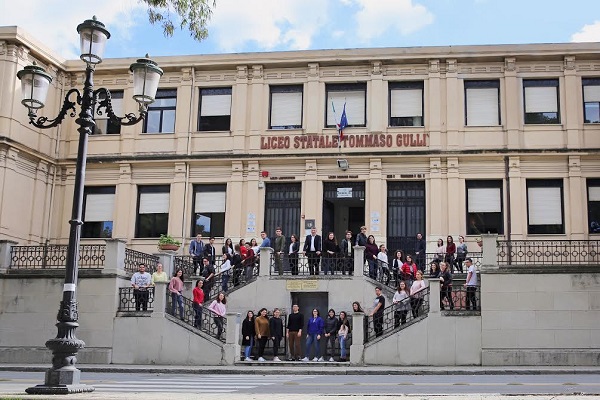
460,140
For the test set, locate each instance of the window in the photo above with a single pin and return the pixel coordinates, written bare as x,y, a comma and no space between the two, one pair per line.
591,100
484,207
482,103
209,210
103,125
286,107
545,206
98,209
153,211
541,101
353,95
406,103
593,188
161,113
215,109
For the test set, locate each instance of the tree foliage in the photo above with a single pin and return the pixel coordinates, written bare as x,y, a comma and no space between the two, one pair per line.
192,15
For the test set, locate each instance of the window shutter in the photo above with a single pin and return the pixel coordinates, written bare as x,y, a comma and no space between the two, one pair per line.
215,105
99,207
154,203
594,193
484,200
355,107
540,99
482,107
210,202
286,109
591,93
544,206
406,103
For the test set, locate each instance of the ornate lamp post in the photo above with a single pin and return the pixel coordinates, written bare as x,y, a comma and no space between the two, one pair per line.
63,377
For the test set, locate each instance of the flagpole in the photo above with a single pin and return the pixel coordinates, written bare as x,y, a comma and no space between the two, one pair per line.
337,125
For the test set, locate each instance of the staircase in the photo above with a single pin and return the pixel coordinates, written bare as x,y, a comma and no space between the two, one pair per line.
207,328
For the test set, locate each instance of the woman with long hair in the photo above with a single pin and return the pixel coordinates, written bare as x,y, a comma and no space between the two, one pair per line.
409,270
356,307
450,251
197,303
293,254
314,331
330,251
401,303
218,307
416,293
176,289
228,247
397,263
343,332
248,334
261,326
371,252
461,253
440,252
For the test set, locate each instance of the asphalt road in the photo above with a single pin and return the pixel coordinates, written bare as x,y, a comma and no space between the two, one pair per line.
112,383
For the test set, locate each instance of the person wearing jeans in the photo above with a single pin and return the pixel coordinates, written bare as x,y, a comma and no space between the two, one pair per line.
176,289
197,303
471,284
343,333
248,333
314,331
219,309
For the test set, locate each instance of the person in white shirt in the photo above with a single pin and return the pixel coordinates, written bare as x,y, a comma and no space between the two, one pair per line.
225,271
383,264
471,284
141,281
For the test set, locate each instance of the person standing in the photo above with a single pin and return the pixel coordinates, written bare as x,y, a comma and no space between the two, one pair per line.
361,238
248,334
420,249
228,247
343,332
159,276
293,254
446,288
276,330
176,289
312,248
210,251
330,252
416,294
409,271
197,252
371,252
377,313
314,331
383,264
331,328
471,285
397,264
209,277
266,242
197,303
450,252
261,325
249,262
401,302
294,326
347,251
461,253
225,271
141,281
278,249
218,307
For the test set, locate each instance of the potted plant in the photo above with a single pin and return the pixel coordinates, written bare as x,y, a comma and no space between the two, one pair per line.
166,242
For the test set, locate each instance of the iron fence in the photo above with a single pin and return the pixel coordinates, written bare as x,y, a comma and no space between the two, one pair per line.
134,258
301,264
186,264
463,298
392,318
233,279
132,300
91,256
205,320
548,252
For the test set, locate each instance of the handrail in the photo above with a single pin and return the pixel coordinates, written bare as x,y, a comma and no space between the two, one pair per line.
548,252
207,323
91,256
133,258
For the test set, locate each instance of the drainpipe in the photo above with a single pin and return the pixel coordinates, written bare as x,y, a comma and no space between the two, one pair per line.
187,164
508,210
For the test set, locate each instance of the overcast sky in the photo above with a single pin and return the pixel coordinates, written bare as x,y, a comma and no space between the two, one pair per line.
267,25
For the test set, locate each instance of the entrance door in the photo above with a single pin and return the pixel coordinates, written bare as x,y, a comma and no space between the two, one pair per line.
282,208
306,302
343,208
405,214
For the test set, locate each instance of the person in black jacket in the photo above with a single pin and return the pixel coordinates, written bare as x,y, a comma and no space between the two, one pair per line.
347,251
361,238
331,328
293,254
446,286
420,248
312,248
330,253
295,324
210,251
248,333
276,329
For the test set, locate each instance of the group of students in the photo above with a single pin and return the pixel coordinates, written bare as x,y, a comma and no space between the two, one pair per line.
258,330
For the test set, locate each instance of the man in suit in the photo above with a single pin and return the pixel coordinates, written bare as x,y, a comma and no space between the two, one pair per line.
420,246
348,253
278,249
210,252
197,252
312,249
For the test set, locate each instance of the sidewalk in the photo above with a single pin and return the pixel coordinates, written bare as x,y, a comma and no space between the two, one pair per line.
288,368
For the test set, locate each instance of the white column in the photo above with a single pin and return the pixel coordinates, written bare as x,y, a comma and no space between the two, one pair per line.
114,256
160,301
359,260
357,348
264,268
232,349
5,250
434,295
490,257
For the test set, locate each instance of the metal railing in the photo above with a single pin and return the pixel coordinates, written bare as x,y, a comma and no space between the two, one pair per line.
391,319
207,323
133,258
463,298
238,277
132,300
186,264
91,256
548,252
311,265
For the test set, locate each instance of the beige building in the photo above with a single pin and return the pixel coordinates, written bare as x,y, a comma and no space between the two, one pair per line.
459,140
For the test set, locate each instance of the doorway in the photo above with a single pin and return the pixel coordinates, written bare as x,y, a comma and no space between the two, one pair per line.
405,214
343,208
306,302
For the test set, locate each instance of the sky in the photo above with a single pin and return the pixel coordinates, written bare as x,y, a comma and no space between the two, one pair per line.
274,25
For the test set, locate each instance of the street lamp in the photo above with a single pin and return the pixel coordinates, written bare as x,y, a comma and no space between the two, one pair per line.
63,377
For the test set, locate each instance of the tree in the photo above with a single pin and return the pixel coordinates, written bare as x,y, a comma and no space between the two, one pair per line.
188,14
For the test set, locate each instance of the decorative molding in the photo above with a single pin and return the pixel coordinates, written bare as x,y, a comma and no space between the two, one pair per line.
396,70
377,68
313,70
510,64
242,72
344,73
186,74
257,72
569,63
23,53
434,66
451,66
435,165
540,68
3,48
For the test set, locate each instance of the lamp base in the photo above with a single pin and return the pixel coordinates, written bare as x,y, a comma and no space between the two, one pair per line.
61,381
